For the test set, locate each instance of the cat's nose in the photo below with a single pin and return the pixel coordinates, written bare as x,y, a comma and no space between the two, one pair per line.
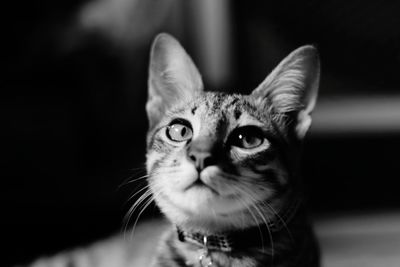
202,153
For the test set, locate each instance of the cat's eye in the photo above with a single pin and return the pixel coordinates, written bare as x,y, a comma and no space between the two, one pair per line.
179,131
247,137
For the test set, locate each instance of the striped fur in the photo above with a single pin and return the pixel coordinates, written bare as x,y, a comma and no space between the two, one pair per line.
239,187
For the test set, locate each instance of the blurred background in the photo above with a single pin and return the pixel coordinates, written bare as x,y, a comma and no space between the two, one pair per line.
73,91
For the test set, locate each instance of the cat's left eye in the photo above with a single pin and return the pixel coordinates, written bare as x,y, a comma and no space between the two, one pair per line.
179,132
247,137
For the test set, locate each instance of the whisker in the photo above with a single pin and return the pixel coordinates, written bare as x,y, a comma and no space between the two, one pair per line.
142,203
255,220
281,219
137,171
266,221
245,179
261,215
143,167
144,207
138,202
130,180
137,192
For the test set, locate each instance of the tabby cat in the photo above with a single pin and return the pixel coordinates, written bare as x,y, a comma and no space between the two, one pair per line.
223,168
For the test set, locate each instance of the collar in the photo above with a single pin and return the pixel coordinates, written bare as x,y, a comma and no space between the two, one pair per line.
241,239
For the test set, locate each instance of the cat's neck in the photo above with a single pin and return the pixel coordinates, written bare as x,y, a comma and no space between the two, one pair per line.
254,236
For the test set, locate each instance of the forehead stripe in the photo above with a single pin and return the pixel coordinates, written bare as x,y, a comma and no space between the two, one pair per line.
237,113
194,109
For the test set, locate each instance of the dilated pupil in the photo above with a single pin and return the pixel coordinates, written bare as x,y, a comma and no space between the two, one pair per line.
183,131
250,139
247,139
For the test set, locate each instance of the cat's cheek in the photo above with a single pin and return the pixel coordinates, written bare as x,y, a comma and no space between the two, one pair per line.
212,176
184,179
151,158
177,181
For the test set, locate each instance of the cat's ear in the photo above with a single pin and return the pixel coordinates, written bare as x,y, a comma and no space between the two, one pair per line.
291,88
173,77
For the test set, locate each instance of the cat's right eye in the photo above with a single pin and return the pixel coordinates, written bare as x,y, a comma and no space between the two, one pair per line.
179,131
247,137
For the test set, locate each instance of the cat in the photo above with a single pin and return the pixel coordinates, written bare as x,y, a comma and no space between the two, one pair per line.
223,168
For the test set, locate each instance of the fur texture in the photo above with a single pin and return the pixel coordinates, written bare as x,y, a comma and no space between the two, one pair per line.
220,163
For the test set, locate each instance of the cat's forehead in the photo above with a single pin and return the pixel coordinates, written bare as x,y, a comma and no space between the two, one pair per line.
226,106
216,108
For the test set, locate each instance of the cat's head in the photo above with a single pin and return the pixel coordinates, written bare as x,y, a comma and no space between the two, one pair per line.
219,161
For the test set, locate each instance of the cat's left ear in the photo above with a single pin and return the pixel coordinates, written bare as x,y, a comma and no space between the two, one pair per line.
173,77
291,89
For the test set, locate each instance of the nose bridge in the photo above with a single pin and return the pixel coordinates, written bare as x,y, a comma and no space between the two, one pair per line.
203,149
201,152
207,137
203,144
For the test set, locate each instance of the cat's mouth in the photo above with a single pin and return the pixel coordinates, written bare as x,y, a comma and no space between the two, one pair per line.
199,184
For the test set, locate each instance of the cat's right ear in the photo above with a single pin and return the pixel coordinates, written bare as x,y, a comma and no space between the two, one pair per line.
173,77
290,90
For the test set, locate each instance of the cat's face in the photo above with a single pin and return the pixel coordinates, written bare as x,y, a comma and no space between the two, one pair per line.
216,160
211,157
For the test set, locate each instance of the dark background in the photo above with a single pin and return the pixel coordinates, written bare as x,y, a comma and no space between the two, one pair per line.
73,95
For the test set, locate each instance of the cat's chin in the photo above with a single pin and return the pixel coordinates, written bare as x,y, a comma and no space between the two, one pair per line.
201,200
204,199
202,209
